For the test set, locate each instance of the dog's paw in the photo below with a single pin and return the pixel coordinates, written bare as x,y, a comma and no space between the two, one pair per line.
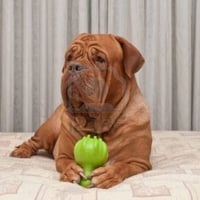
72,173
106,177
22,151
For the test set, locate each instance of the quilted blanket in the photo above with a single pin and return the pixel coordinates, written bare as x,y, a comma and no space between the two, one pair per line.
175,175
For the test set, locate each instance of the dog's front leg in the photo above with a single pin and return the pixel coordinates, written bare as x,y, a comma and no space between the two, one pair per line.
44,138
65,163
110,175
69,170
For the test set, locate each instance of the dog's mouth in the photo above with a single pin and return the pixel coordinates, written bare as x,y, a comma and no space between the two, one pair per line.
84,93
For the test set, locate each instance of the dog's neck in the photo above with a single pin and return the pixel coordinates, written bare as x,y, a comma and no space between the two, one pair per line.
101,119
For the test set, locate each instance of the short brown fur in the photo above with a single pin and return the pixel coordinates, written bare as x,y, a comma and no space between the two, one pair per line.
100,97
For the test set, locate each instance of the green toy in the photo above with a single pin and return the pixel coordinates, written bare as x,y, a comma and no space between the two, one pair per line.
90,153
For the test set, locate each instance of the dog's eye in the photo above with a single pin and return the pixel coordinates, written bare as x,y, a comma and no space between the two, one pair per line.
99,59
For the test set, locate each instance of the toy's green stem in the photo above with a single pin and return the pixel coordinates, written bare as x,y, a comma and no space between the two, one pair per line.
87,171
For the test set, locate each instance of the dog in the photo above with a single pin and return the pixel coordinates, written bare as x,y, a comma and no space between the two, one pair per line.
100,96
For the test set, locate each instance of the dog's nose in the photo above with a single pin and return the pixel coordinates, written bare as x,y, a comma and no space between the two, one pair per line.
75,67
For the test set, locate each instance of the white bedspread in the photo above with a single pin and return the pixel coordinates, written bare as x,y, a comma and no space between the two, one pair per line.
175,174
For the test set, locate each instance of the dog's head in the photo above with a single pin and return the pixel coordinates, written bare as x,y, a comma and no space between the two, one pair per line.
96,71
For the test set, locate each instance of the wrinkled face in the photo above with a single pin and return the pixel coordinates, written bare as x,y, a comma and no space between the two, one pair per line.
92,74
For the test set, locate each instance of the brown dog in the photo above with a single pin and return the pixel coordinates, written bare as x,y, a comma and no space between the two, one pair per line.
100,97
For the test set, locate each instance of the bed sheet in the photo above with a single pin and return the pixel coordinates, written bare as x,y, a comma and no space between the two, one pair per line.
175,175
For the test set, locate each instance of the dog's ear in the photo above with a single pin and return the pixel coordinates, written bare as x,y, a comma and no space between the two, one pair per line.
132,59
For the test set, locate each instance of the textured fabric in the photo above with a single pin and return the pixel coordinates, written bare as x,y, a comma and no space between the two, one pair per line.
35,33
175,175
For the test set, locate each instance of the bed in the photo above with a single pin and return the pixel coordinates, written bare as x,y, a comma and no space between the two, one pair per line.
175,175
